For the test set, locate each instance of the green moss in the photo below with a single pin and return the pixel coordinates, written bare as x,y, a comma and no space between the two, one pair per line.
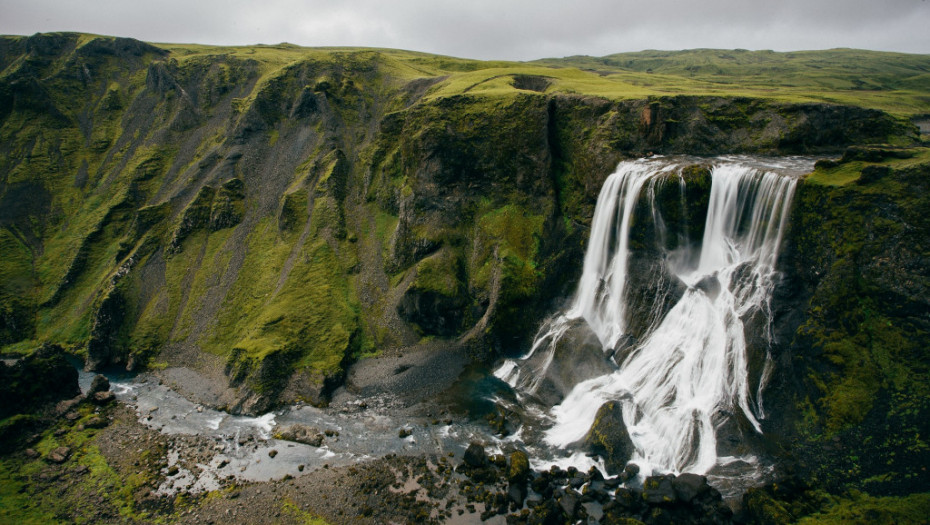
293,212
17,290
308,322
290,509
858,507
440,273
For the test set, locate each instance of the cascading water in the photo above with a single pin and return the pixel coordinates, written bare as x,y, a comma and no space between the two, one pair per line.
688,372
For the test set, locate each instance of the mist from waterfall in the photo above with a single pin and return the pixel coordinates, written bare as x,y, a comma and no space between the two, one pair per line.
689,372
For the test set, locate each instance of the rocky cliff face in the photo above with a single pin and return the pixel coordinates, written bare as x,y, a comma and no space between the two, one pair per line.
848,405
266,217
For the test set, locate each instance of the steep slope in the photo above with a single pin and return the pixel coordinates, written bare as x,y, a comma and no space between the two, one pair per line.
849,398
264,216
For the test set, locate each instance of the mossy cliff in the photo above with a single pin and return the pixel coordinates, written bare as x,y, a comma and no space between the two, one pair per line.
267,215
850,403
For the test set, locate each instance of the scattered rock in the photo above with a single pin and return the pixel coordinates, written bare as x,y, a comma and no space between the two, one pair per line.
689,486
96,422
609,437
404,433
519,469
100,383
63,407
59,455
272,453
475,456
300,434
659,489
103,398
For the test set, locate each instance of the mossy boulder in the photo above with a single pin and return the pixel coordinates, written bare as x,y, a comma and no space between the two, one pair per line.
609,437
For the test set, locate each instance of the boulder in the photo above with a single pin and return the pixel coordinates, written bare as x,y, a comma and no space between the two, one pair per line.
100,383
102,398
300,434
609,437
59,455
519,469
576,357
659,490
96,422
475,456
689,486
516,492
570,502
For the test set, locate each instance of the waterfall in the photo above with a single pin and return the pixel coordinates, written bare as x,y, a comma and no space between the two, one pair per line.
688,372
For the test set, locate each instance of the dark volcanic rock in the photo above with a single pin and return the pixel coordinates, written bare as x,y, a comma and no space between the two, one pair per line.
103,398
99,384
689,486
609,437
475,456
42,377
577,356
519,469
659,489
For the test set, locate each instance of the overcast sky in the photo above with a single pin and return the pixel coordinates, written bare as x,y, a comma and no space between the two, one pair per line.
493,29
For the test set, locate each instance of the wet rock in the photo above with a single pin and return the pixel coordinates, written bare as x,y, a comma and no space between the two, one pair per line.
577,356
628,498
519,469
475,456
301,434
659,490
594,475
576,481
609,437
100,383
570,502
517,493
710,285
689,486
629,472
59,455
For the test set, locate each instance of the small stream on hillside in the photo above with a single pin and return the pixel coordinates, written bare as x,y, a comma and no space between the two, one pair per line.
679,384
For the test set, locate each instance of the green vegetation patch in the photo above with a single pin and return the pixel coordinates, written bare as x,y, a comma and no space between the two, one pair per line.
309,322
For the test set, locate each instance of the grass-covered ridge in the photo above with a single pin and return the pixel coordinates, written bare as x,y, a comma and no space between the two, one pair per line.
894,82
273,212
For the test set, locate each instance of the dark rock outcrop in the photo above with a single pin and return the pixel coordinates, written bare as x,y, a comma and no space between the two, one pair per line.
609,437
44,376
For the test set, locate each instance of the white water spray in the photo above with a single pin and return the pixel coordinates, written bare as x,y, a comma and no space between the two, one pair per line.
689,373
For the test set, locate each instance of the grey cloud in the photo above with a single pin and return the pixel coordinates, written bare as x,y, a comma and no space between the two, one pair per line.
494,29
